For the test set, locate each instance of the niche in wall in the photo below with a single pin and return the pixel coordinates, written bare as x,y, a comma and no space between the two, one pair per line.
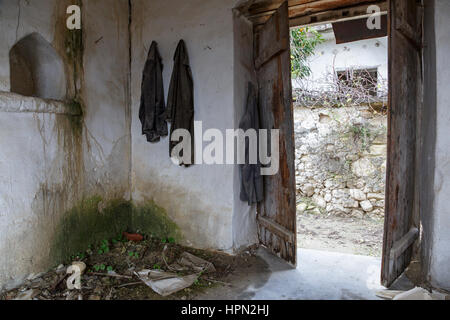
36,69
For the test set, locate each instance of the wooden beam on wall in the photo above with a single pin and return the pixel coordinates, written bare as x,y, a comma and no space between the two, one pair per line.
260,11
265,6
356,30
322,5
331,16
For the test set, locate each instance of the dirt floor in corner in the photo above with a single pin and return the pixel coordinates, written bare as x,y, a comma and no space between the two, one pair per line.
110,273
359,236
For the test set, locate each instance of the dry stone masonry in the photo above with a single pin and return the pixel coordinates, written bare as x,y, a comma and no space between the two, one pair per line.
341,160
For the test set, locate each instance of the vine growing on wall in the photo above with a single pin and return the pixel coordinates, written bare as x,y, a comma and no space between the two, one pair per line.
303,43
336,92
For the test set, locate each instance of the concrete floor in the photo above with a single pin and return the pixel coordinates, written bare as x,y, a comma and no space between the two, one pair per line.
320,275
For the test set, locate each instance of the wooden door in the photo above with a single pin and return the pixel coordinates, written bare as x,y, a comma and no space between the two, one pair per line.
405,81
277,213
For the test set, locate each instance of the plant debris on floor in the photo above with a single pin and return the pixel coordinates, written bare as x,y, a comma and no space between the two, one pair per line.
116,269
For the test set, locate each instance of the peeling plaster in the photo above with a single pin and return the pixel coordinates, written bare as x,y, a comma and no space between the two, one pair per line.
53,154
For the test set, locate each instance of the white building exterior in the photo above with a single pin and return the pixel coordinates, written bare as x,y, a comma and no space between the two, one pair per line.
331,58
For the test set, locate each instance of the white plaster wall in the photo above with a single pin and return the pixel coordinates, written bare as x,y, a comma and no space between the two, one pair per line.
427,139
37,185
245,231
43,173
31,160
18,19
371,53
440,247
105,92
104,87
200,199
37,182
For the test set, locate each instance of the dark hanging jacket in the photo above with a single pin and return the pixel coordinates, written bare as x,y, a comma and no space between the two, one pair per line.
252,181
152,109
180,102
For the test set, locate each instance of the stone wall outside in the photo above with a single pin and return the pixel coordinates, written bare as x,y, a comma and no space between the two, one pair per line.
341,160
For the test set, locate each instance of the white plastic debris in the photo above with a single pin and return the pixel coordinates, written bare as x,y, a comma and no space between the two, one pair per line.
61,269
440,296
188,262
415,294
34,276
388,294
80,265
165,283
196,263
27,295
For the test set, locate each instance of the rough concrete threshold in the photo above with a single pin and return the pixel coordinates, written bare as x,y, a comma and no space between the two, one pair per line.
320,275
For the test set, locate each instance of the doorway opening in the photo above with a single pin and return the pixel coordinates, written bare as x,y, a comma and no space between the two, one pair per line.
402,21
340,103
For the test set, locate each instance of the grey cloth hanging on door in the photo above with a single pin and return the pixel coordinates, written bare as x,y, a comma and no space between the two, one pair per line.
180,102
152,109
252,182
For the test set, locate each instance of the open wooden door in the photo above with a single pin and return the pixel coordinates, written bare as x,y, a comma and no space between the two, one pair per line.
277,213
405,80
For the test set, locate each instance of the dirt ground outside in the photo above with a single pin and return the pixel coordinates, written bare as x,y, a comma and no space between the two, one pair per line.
359,236
340,175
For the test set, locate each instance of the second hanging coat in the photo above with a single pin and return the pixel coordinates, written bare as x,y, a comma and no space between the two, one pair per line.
252,185
180,102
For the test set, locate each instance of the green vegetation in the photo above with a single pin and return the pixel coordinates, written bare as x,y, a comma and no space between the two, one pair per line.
303,43
168,240
85,226
104,247
99,267
152,220
133,254
362,134
156,267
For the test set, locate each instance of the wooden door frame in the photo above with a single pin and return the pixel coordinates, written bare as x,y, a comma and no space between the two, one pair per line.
276,213
321,15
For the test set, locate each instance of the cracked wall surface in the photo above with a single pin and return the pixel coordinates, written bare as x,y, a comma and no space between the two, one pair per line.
53,155
73,152
200,199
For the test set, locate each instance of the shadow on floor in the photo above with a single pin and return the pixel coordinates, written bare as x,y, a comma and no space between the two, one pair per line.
320,275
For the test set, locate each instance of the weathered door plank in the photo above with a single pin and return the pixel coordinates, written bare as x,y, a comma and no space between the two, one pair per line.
405,81
277,213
